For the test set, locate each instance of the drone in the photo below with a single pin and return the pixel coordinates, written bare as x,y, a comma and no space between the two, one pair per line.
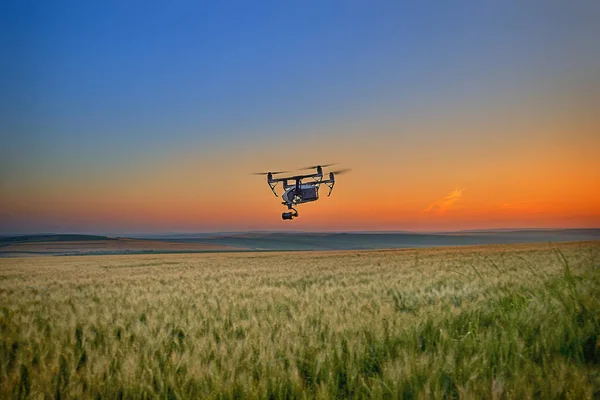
300,189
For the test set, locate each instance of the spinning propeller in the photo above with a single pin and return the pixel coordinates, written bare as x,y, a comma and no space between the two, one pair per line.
267,173
317,166
341,171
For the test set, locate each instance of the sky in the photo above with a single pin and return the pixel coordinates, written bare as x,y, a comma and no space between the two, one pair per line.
147,117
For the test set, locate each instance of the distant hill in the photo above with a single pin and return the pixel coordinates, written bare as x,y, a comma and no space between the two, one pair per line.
281,241
265,234
381,240
52,238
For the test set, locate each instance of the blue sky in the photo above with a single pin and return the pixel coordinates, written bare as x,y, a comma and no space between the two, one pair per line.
89,86
110,74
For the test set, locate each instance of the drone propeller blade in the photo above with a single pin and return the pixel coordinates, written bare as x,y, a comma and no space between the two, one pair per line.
341,171
267,173
316,166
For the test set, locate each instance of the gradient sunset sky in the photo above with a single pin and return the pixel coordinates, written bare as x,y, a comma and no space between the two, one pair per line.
146,117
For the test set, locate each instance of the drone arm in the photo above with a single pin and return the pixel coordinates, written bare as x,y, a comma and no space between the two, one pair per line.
272,186
330,186
330,183
293,178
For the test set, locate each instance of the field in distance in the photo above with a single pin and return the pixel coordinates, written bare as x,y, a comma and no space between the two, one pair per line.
496,321
69,244
40,245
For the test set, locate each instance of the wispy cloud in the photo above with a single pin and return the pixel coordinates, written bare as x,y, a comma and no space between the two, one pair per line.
441,206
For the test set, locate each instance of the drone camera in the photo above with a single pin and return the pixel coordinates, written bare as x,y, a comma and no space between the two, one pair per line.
287,215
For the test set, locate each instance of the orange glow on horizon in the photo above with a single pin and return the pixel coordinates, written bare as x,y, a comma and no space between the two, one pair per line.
543,174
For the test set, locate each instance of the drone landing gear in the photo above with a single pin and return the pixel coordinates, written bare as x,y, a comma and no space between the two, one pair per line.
289,215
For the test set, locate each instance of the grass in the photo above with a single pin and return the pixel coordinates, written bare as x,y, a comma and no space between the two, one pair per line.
517,321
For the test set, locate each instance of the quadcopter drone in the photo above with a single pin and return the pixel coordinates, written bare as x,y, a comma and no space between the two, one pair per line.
297,191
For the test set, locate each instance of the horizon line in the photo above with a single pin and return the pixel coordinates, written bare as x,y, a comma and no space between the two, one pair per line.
163,234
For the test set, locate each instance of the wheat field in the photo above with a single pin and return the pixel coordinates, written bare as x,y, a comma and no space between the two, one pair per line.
518,321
